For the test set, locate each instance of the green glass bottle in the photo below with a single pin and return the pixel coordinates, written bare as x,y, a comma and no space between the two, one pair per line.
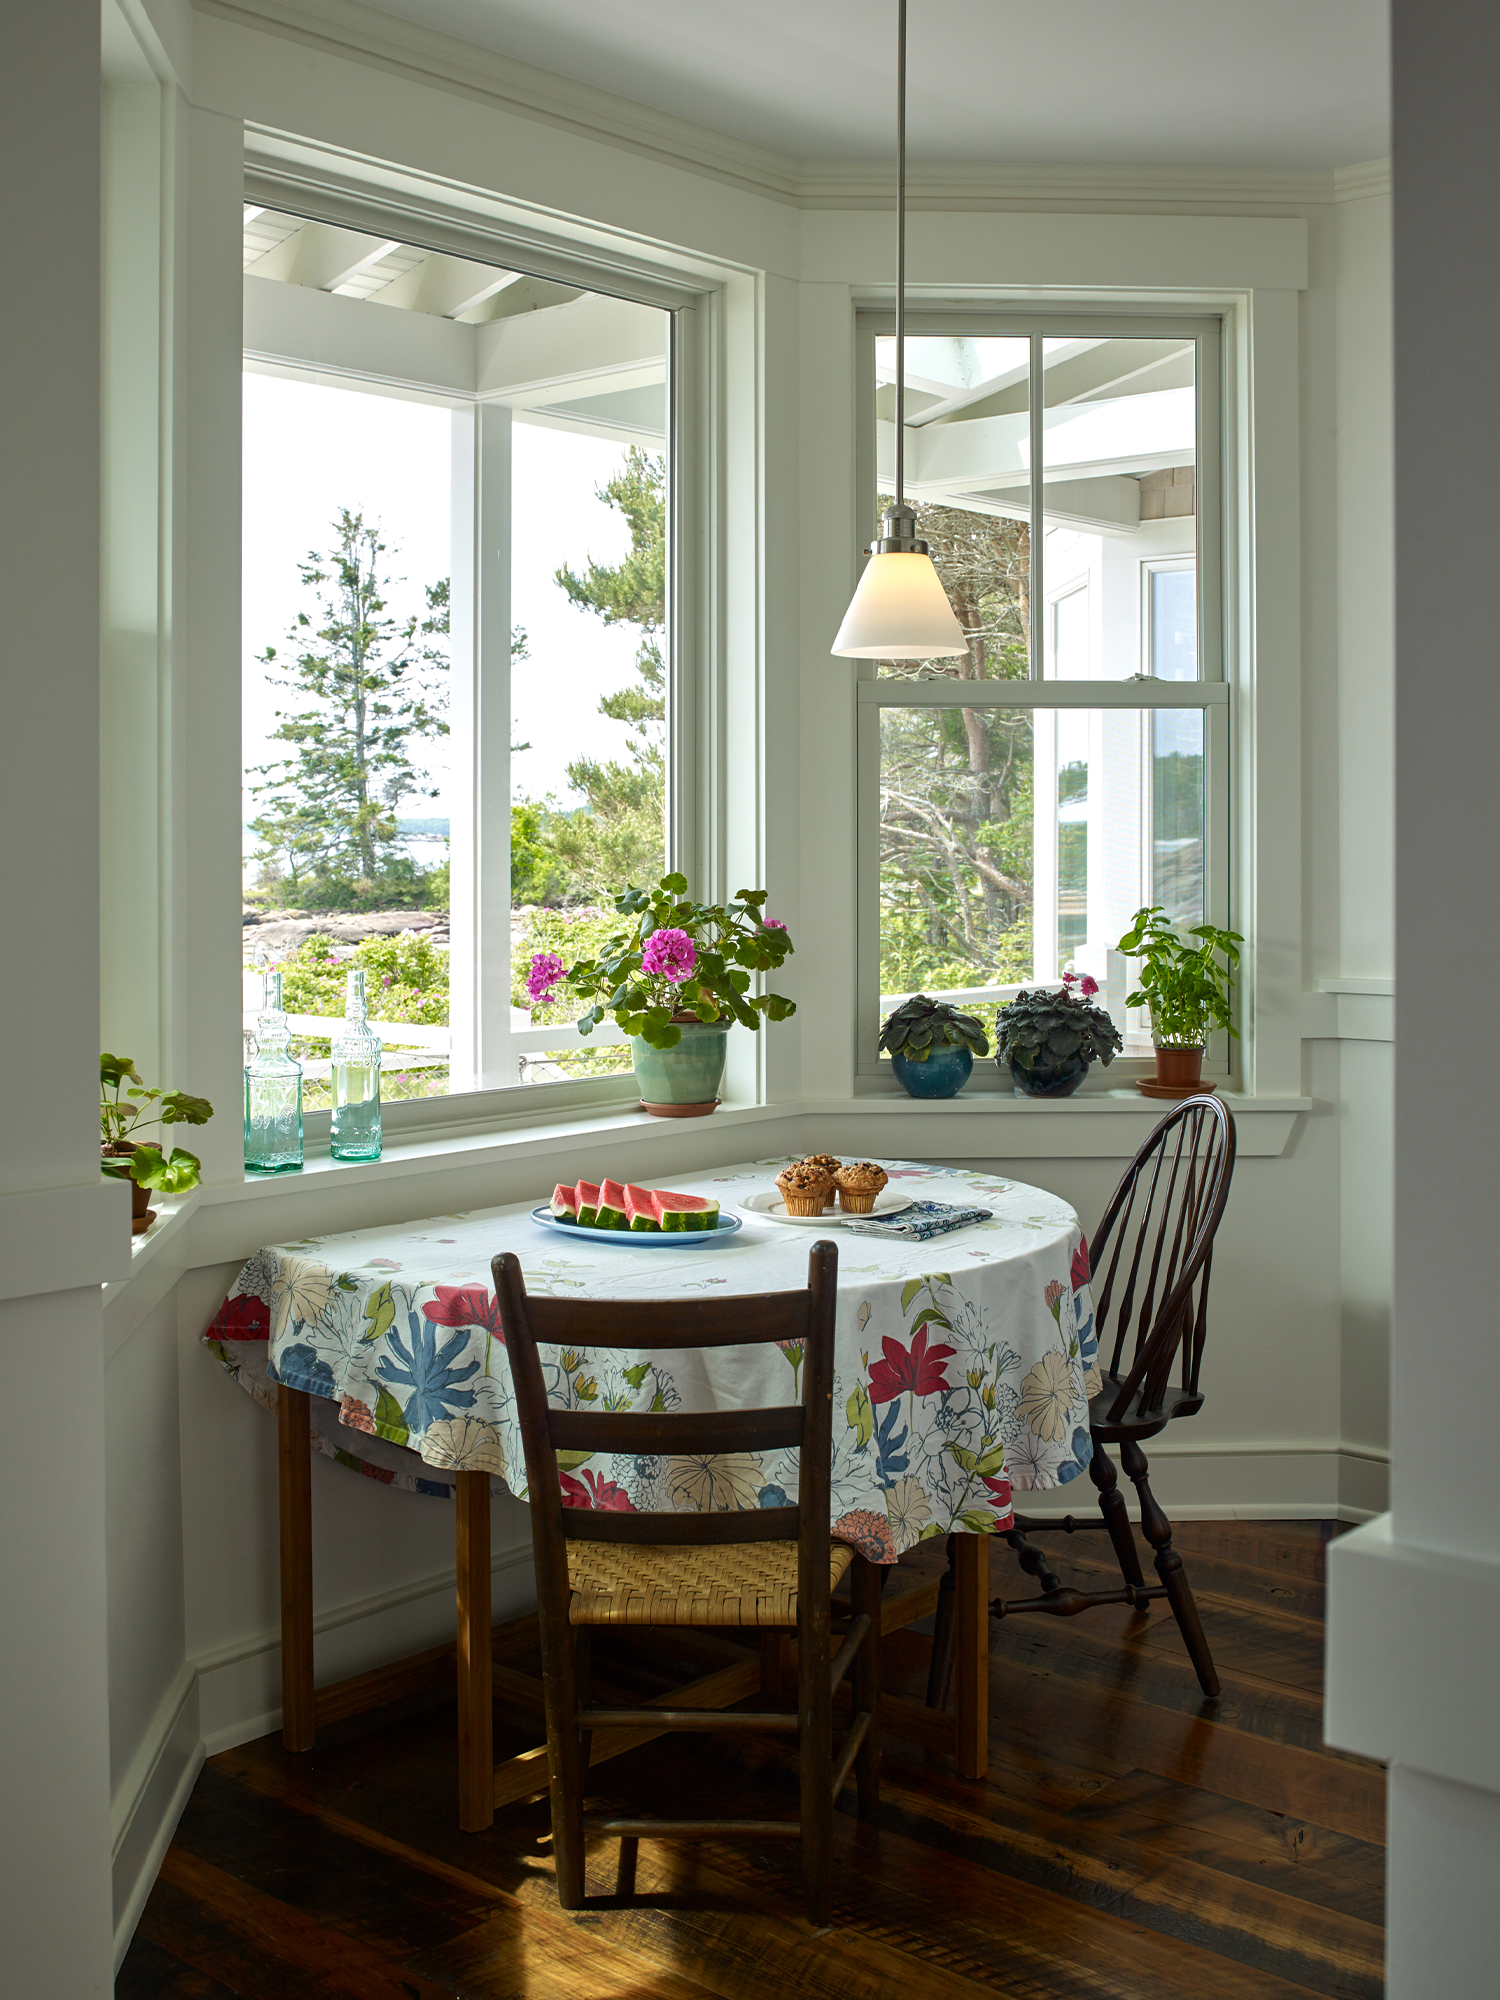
273,1091
355,1133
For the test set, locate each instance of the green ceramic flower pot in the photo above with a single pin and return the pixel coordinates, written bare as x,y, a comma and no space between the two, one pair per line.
682,1082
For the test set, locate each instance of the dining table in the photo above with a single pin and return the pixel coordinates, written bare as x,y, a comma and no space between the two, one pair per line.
964,1361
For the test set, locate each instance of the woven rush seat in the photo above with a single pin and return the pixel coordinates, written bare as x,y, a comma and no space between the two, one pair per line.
736,1583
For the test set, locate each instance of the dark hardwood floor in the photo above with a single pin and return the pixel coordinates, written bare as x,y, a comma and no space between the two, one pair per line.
1130,1840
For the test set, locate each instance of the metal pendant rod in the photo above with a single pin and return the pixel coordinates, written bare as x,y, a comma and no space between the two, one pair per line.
900,251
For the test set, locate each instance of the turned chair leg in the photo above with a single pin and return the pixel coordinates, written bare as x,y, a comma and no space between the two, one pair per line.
1034,1562
1158,1532
1117,1518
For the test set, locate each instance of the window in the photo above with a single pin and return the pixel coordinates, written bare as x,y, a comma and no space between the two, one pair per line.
458,648
1019,804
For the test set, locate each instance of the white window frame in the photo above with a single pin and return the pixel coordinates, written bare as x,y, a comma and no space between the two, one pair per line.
1211,692
483,1036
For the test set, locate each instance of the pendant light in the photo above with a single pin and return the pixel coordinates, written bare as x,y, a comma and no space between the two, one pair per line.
899,610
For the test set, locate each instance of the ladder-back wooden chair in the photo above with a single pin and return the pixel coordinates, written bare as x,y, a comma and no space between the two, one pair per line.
1152,1260
772,1567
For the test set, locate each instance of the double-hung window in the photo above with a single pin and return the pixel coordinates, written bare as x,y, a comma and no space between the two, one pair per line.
1020,802
460,669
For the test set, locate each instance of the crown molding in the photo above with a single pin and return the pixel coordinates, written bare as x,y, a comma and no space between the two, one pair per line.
362,34
1370,177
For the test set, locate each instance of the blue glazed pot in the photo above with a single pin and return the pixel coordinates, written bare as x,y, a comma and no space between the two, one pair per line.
682,1082
944,1073
1049,1080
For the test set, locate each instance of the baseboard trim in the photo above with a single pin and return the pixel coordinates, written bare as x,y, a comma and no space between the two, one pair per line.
150,1802
241,1683
1249,1481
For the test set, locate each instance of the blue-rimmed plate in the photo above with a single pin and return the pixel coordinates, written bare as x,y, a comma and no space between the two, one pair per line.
642,1239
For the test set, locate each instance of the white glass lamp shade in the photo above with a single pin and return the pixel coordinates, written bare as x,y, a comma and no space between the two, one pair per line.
899,612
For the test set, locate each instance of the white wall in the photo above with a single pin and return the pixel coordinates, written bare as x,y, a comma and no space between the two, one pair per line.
59,1228
1425,1582
185,1462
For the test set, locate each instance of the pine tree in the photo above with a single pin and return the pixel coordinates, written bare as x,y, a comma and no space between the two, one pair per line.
620,833
373,685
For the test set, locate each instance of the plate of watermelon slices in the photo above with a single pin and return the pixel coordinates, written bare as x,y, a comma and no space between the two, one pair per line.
642,1217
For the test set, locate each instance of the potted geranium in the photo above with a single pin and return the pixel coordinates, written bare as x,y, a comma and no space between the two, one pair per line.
124,1115
675,975
932,1046
1050,1038
1187,989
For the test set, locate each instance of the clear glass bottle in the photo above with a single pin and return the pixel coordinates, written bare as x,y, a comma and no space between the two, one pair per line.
355,1133
273,1091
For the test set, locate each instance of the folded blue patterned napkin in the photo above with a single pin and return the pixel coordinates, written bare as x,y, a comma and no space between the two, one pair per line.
921,1220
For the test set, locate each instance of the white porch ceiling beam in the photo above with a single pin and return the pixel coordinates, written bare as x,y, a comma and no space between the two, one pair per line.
584,348
319,256
444,286
327,335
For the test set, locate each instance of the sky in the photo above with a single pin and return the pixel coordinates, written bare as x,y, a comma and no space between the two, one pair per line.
311,449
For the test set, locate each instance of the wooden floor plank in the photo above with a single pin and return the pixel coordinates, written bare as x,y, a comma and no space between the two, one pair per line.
1130,1842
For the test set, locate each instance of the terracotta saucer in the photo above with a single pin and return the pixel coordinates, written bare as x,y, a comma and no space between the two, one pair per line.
1149,1087
139,1224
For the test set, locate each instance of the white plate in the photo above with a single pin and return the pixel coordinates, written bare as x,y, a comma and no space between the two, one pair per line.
769,1207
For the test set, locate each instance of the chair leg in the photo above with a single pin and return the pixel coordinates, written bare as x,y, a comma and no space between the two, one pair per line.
1158,1532
1116,1517
566,1767
815,1755
865,1586
944,1624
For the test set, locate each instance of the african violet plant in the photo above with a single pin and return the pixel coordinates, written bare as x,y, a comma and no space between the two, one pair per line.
672,962
1045,1030
123,1117
919,1025
1182,983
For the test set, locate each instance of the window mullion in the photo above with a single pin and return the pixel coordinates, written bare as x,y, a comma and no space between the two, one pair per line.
1036,537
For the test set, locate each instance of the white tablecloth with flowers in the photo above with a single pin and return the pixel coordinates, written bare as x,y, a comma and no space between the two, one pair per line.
964,1364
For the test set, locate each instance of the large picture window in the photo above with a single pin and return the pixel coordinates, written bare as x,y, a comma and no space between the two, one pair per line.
1019,803
457,644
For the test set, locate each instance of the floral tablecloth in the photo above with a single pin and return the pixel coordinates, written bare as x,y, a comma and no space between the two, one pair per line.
964,1365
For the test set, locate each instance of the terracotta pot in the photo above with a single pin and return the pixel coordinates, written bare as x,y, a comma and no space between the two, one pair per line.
1179,1069
140,1197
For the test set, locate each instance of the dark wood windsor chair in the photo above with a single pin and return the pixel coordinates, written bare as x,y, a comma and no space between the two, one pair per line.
1152,1259
772,1567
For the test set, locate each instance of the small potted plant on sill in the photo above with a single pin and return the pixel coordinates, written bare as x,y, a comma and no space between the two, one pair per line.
1188,991
1051,1038
125,1156
675,976
932,1046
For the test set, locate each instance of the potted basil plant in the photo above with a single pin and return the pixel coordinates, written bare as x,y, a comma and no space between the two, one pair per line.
676,976
932,1046
1186,980
124,1155
1051,1038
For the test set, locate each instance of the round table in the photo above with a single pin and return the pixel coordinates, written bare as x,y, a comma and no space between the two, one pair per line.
963,1363
964,1366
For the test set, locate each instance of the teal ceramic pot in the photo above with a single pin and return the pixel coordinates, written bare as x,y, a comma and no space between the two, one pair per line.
1050,1080
944,1073
682,1082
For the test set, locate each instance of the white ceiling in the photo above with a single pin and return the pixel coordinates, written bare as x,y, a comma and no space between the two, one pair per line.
1210,83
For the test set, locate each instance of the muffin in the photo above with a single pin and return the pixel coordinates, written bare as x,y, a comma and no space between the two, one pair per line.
805,1189
858,1185
826,1161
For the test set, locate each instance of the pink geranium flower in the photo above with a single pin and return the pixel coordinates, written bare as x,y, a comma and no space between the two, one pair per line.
1088,985
772,924
547,969
669,955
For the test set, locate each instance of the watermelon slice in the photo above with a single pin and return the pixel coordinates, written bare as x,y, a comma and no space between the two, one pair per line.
686,1211
640,1207
611,1207
588,1204
565,1203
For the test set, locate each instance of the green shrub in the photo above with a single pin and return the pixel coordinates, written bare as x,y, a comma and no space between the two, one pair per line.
406,978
